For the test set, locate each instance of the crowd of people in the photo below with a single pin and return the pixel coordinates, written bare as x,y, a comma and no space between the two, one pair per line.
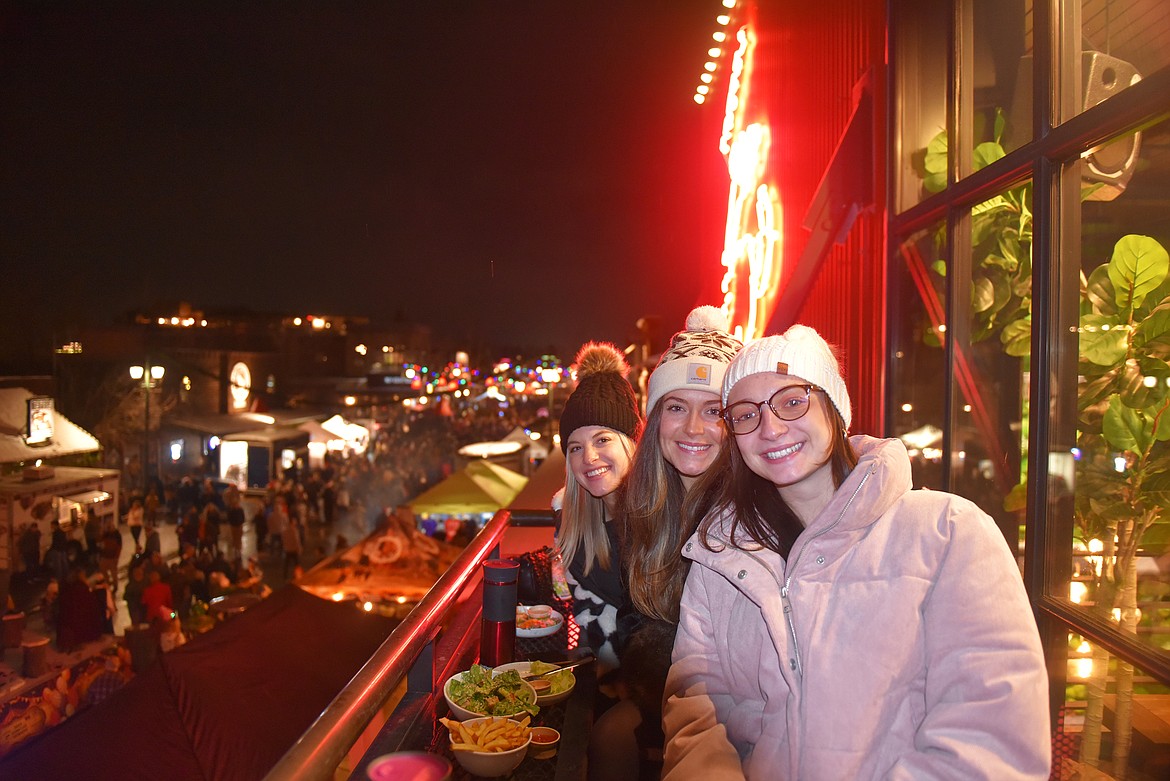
766,595
230,543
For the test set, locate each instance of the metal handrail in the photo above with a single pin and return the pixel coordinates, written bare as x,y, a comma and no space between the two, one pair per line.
319,751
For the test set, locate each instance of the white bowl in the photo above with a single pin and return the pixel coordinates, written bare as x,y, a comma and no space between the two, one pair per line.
490,763
463,714
541,699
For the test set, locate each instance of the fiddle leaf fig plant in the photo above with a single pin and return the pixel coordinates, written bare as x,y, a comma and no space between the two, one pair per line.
1124,446
1001,237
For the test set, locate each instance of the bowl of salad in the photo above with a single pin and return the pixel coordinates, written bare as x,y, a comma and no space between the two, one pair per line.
480,692
560,684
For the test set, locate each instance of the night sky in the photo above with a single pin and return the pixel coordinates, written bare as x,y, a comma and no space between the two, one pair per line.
527,174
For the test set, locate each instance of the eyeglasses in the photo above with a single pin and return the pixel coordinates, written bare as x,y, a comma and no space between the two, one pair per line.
788,403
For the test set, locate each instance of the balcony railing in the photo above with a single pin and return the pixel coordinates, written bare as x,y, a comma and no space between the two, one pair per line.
408,653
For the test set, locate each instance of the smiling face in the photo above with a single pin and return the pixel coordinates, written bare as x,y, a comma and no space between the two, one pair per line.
690,431
791,454
598,459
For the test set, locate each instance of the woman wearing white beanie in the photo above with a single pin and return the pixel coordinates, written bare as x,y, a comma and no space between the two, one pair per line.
836,624
684,433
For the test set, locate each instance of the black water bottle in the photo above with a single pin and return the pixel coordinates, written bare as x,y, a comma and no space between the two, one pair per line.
498,626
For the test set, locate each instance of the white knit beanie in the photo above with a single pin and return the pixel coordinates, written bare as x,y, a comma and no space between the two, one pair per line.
800,352
697,357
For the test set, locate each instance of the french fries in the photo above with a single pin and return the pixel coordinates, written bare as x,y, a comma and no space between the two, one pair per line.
493,734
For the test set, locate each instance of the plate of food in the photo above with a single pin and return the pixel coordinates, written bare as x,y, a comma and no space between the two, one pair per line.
550,689
537,621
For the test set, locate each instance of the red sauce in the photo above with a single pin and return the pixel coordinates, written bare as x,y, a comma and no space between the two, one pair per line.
543,735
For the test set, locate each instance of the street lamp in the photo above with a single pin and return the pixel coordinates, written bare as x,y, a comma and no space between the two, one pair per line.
148,375
551,377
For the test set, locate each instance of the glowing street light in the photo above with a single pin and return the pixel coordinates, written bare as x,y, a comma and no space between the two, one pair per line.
148,375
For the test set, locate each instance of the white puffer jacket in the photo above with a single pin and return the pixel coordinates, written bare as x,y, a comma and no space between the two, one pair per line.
896,643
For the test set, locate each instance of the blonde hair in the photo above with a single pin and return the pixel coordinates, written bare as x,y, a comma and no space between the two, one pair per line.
583,519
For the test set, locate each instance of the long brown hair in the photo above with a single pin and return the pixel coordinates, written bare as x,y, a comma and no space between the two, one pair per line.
760,517
650,506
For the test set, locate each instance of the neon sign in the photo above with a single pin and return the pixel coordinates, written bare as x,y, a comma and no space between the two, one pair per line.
752,240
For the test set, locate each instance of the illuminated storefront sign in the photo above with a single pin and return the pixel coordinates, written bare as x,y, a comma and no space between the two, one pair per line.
241,386
40,421
752,241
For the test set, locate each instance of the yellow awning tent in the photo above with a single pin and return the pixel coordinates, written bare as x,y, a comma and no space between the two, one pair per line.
482,487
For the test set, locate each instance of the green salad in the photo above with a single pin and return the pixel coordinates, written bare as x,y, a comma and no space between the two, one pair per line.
558,682
503,695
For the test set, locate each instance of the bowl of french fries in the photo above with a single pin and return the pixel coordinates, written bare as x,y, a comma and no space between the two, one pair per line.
490,746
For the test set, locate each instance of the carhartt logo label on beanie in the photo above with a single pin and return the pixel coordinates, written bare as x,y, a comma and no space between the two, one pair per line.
697,357
699,374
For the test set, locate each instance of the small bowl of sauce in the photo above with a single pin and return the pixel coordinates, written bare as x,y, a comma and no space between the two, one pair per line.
544,743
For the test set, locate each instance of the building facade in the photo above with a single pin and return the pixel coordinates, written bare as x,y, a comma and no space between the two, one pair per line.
972,199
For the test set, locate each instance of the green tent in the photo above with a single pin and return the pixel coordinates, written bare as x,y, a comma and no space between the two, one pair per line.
482,487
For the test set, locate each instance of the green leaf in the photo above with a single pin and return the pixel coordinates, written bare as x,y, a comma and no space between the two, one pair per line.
990,205
1159,415
1102,341
1017,498
1132,387
1152,335
1017,338
939,267
935,161
1126,428
1100,292
986,154
1138,266
1096,390
982,294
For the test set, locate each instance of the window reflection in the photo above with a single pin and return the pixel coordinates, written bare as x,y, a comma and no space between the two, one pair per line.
1105,700
918,365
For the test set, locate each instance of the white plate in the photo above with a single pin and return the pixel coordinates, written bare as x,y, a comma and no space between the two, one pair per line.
541,699
544,631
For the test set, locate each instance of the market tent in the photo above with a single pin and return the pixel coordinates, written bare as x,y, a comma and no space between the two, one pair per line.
226,706
547,480
68,438
481,487
499,481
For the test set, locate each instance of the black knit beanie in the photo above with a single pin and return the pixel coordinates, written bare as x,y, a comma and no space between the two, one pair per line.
603,396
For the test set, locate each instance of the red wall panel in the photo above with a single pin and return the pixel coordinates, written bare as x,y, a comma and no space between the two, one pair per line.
809,57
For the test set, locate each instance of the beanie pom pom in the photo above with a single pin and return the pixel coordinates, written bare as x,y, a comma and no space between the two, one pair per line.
802,333
598,358
707,318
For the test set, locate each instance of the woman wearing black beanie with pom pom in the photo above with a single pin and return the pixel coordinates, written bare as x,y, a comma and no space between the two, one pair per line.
599,427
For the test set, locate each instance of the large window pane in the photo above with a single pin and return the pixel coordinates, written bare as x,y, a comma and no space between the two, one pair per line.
1102,695
1002,76
920,32
1120,463
1122,41
918,369
988,445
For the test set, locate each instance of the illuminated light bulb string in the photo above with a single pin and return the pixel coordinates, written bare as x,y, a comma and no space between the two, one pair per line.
751,257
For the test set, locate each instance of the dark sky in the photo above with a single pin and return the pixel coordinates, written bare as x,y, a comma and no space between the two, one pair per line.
525,173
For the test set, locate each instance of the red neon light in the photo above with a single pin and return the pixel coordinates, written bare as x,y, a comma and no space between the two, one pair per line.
752,256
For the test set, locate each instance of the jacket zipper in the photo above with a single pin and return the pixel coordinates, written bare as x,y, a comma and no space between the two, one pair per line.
791,567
